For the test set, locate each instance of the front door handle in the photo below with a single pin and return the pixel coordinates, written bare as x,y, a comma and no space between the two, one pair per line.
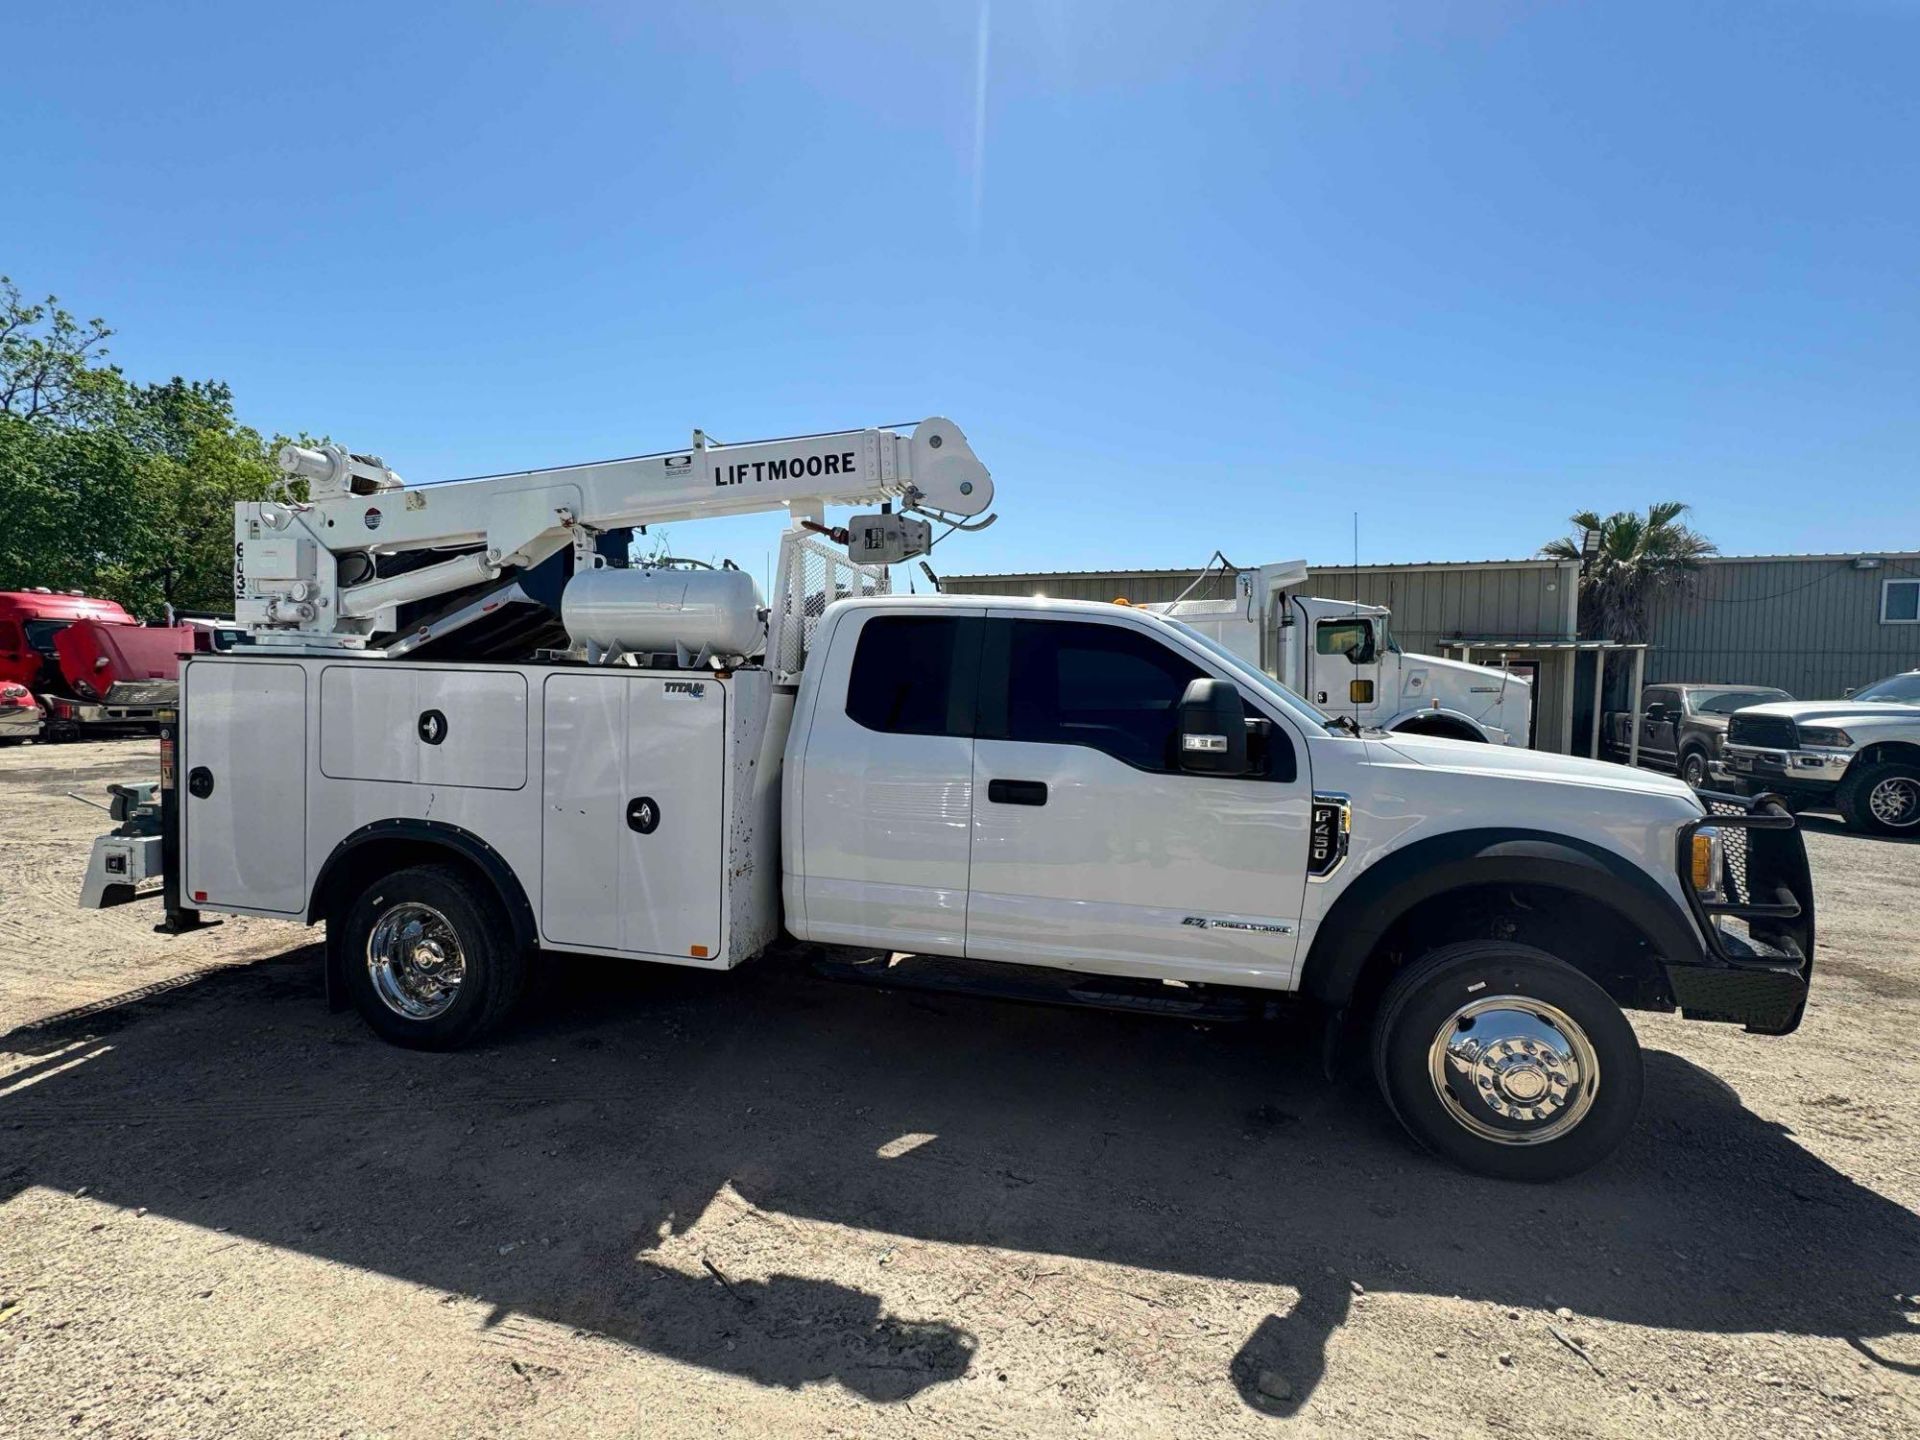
1017,792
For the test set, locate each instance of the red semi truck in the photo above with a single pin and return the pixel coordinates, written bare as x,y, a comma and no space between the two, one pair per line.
93,667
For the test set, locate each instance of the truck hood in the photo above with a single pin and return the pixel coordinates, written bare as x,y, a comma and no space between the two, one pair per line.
1464,757
1841,713
1490,676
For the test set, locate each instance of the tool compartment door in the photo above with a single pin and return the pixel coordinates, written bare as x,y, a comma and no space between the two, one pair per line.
633,803
243,785
406,725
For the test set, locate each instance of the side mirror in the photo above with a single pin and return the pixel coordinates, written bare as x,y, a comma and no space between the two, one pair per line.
1847,694
1363,652
1212,729
1655,711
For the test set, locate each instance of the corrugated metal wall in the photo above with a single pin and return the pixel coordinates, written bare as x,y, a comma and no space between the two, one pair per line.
1145,587
1431,604
1435,604
1810,625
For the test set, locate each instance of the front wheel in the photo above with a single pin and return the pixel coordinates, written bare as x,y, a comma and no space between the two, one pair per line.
1693,769
1882,800
429,958
1506,1061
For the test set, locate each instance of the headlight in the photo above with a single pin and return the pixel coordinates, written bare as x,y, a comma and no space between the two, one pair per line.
1707,861
1823,735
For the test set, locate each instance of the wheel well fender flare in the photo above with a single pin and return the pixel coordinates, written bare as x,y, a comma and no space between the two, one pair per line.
1886,752
424,837
1370,905
1423,712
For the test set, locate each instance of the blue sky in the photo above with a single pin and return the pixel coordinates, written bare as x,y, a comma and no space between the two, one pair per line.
1196,276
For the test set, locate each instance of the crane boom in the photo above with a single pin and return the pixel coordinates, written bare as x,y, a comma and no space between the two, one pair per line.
308,573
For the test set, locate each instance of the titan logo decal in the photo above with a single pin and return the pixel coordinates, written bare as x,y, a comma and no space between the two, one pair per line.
1327,835
1201,922
798,468
693,689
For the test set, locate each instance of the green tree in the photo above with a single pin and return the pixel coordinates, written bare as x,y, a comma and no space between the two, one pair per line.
121,490
1633,558
50,368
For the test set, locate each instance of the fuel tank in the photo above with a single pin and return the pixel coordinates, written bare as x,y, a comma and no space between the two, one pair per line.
658,610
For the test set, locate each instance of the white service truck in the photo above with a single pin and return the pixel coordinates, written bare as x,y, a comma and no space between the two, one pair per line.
1023,787
1342,656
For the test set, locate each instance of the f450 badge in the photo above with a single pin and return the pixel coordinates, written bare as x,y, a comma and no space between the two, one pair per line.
1327,832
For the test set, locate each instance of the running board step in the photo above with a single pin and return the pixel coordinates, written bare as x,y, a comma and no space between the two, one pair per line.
1038,985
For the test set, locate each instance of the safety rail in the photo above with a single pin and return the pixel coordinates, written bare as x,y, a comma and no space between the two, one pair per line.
1761,881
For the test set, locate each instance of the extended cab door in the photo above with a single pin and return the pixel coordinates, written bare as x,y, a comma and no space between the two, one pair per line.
1090,847
886,787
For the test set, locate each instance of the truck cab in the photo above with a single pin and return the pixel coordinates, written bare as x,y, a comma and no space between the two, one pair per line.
95,668
1342,657
29,622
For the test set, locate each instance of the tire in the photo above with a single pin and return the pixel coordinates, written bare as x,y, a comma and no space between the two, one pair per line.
1599,1056
1694,768
399,941
1882,800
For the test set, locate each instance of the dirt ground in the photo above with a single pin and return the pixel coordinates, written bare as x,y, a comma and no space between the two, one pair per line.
766,1204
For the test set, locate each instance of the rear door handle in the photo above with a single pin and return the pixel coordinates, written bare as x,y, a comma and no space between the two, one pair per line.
1017,792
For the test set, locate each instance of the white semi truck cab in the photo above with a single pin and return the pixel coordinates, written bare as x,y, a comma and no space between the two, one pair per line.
694,778
1343,657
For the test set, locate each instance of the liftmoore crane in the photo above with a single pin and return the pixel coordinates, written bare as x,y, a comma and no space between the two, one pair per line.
368,563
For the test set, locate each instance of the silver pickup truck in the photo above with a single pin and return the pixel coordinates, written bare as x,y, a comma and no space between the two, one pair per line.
1861,754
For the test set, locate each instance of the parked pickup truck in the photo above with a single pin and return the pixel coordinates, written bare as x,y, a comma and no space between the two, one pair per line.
1683,728
1061,784
1861,754
1008,787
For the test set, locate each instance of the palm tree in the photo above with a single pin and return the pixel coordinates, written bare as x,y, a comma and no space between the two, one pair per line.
1625,560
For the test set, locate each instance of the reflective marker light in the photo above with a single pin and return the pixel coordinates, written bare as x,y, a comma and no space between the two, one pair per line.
1706,862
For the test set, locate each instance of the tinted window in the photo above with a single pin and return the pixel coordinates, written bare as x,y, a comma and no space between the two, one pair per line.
1902,689
913,675
1902,600
1099,685
1336,637
1725,702
40,634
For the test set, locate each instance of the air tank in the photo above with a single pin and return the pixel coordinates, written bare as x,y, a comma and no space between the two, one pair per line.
657,610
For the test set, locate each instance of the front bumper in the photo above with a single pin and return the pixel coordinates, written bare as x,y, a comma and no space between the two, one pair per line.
1757,964
17,722
1809,769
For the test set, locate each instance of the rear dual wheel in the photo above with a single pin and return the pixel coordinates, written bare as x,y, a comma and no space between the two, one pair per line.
1506,1061
429,957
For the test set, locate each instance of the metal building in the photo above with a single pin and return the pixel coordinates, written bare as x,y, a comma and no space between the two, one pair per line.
1814,625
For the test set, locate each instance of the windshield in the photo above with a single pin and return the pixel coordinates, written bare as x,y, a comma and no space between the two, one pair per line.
1255,679
40,634
1895,690
1725,702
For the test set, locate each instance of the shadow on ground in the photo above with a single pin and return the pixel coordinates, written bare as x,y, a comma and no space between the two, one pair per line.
611,1122
1833,825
